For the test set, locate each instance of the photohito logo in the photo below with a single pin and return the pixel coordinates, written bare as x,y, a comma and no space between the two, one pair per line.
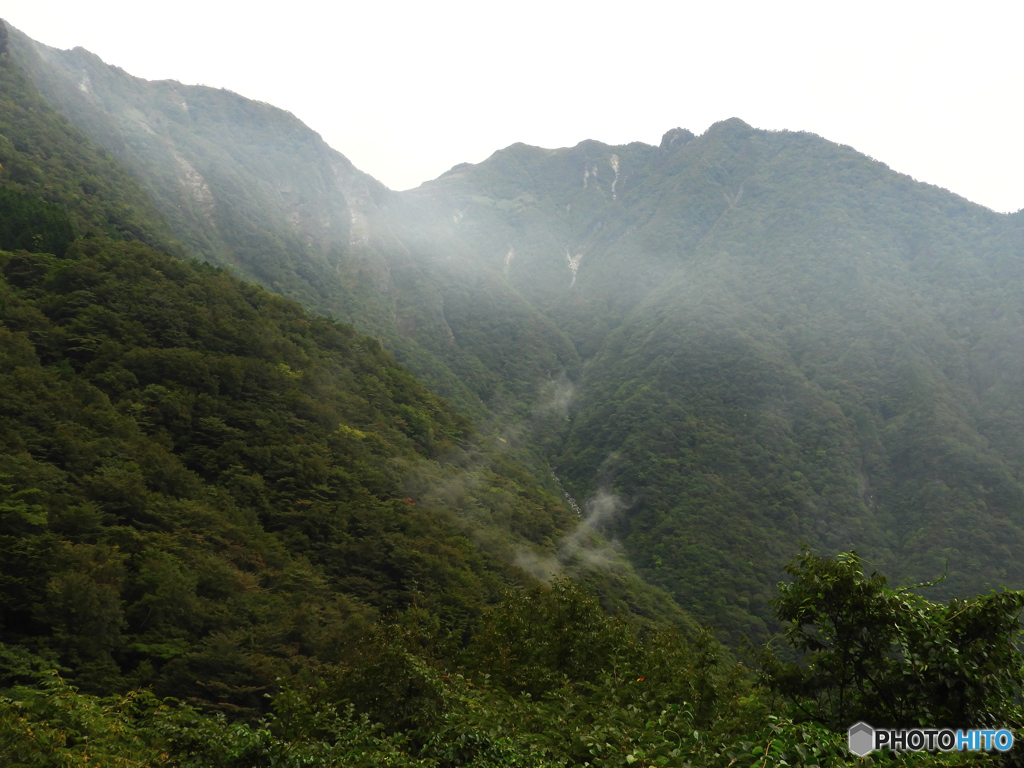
862,738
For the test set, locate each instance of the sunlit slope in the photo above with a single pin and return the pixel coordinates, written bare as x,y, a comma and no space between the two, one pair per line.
230,174
42,154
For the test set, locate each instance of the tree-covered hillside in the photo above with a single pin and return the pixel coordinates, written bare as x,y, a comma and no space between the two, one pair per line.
206,488
248,186
783,341
236,532
836,361
749,338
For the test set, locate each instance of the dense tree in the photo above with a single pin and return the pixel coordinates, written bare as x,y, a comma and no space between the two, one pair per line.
890,656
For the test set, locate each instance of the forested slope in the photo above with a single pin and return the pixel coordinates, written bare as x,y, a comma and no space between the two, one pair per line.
837,361
246,185
206,489
744,339
730,342
783,341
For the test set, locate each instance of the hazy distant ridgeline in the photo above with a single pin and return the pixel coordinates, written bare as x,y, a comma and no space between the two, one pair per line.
247,185
752,338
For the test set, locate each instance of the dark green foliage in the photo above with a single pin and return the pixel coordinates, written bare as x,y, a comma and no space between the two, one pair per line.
661,700
203,488
889,656
829,362
540,640
27,223
782,339
750,337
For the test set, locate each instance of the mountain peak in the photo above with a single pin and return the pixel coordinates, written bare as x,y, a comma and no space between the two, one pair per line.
675,138
731,127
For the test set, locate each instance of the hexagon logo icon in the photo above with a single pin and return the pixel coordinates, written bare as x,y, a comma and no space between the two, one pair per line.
860,738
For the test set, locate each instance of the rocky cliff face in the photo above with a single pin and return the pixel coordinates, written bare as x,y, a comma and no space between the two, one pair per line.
226,169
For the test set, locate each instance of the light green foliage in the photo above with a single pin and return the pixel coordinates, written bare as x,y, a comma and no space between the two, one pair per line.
608,695
56,726
891,656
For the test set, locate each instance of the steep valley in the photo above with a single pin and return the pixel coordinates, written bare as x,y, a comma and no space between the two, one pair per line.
269,426
768,338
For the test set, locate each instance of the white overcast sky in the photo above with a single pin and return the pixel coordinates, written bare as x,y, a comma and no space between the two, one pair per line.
408,89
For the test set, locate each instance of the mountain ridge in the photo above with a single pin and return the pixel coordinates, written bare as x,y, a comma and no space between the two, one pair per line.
206,489
534,287
236,531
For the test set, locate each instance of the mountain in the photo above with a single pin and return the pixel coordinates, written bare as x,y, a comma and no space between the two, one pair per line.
206,489
235,531
248,186
784,341
737,341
